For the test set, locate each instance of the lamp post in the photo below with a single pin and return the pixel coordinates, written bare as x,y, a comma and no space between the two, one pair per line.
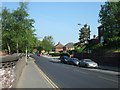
26,51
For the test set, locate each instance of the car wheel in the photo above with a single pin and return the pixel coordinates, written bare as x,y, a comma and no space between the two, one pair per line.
86,65
67,62
79,65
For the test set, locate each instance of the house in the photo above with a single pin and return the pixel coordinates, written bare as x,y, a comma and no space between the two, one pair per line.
68,47
3,53
58,47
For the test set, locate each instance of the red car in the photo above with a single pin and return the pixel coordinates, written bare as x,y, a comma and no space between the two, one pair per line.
38,54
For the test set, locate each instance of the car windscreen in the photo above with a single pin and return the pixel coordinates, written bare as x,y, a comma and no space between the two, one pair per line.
66,57
88,60
75,59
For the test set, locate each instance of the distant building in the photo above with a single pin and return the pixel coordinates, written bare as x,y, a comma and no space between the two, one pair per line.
35,51
58,47
68,47
3,52
43,51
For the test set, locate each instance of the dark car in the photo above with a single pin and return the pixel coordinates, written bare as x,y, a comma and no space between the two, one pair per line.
74,61
64,59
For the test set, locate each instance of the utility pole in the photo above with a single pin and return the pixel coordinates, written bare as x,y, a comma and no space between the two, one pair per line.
26,55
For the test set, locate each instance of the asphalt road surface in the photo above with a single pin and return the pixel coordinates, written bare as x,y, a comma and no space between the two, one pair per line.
69,76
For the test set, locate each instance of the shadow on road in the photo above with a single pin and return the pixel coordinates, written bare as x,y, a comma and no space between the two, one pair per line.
55,61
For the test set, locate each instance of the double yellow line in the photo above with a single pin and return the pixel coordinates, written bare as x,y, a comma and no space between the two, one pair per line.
54,86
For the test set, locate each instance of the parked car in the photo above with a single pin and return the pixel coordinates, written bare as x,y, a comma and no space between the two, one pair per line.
74,61
64,59
87,63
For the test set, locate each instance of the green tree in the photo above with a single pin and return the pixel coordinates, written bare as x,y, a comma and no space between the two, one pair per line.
84,34
7,29
109,17
39,46
47,43
17,29
22,26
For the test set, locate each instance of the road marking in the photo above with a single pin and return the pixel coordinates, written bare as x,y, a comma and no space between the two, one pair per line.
55,87
107,79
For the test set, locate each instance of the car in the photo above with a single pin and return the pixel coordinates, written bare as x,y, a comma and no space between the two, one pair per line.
73,61
88,63
64,59
38,54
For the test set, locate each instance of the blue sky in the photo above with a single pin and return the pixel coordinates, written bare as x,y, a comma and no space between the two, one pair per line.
60,19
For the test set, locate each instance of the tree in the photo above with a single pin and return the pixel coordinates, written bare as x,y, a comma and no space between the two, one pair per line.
17,29
109,17
7,29
47,43
39,46
84,34
22,26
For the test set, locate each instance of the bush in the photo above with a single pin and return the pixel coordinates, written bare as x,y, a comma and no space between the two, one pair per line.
65,54
54,54
80,49
97,46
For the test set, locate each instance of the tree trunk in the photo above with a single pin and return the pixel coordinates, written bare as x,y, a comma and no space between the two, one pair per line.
9,50
26,55
17,47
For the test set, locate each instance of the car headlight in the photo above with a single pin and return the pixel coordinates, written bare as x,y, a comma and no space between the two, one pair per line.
65,59
92,64
77,63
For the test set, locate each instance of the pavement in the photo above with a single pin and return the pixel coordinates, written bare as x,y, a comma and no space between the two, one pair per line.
32,77
110,68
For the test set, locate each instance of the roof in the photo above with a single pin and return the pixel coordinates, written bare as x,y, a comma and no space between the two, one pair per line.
59,45
69,45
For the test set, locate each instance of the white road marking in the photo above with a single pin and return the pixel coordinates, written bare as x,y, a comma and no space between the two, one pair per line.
108,79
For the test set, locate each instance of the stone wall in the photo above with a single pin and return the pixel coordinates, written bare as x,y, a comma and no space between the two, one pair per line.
7,74
10,72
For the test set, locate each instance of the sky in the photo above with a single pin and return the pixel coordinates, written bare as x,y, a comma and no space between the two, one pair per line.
60,19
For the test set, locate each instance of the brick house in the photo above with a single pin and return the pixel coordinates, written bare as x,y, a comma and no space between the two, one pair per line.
58,47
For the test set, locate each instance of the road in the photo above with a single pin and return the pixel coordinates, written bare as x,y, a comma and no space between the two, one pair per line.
69,76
